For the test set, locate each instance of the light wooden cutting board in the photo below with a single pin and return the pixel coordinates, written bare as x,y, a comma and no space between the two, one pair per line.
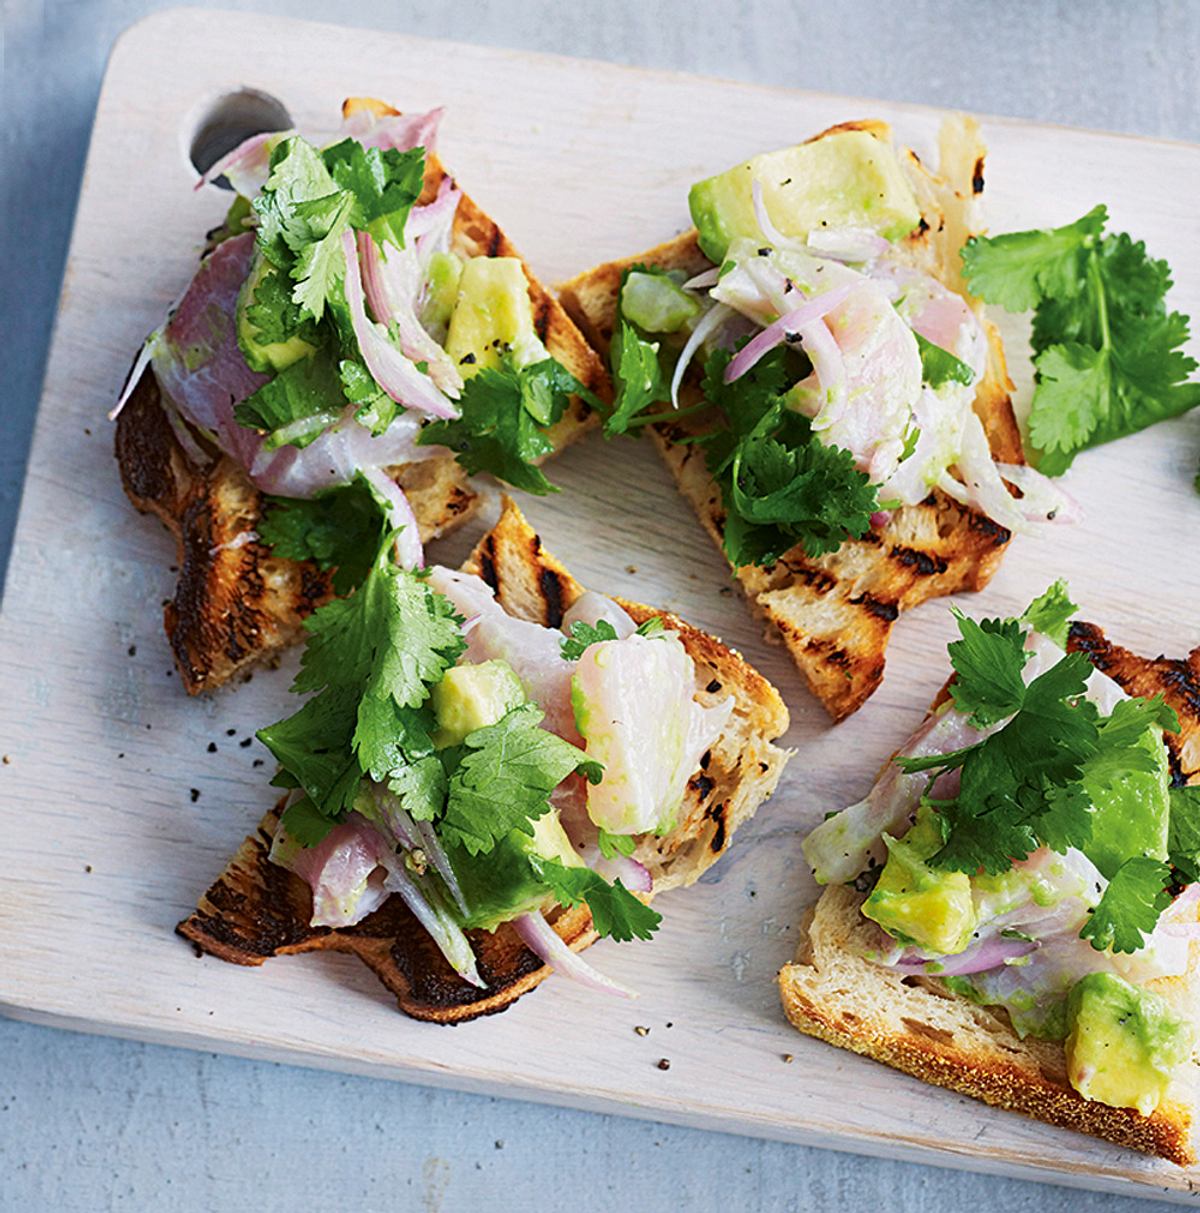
103,848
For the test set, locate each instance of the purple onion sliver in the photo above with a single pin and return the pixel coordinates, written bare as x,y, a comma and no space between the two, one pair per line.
546,943
812,309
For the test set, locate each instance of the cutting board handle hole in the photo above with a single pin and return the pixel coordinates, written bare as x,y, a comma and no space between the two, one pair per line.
229,119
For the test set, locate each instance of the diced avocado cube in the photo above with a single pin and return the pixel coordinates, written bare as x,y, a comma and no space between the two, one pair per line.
502,884
1124,1043
656,303
919,904
850,178
471,697
264,356
492,317
445,273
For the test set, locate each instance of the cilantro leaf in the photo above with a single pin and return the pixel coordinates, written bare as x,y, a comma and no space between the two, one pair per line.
616,912
583,634
421,787
371,658
1183,833
320,263
340,529
612,845
780,485
1108,353
297,405
988,660
1129,908
1050,613
304,822
503,780
1121,736
298,175
939,366
637,377
384,183
272,312
1018,270
505,412
313,748
376,409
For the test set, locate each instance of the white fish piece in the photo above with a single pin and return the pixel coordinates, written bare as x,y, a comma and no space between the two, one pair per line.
635,707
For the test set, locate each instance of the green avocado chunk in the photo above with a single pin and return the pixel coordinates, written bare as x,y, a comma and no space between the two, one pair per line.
1124,1043
264,356
492,316
851,178
919,904
445,273
1132,812
502,884
656,303
471,697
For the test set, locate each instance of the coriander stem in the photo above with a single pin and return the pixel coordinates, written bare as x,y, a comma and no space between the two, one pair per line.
1101,298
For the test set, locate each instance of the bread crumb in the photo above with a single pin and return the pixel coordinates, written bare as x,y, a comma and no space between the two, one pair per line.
788,1058
641,1031
7,760
664,1063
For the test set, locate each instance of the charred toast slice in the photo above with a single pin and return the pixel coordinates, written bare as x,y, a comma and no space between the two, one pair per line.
917,1025
256,910
835,613
234,602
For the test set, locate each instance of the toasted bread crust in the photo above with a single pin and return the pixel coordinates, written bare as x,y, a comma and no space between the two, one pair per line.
835,613
256,910
916,1025
236,606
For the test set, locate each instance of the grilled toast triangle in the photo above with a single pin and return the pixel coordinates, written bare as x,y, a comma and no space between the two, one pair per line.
256,910
835,613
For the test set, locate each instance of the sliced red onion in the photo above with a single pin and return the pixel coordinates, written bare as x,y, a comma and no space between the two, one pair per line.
880,519
979,958
412,835
400,514
392,280
709,323
443,930
140,363
846,243
197,455
240,540
633,875
1042,500
400,131
301,428
830,369
758,347
1175,923
394,373
247,167
769,230
434,221
704,279
546,943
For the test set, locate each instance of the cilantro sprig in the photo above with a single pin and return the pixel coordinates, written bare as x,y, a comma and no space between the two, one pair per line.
780,485
506,412
1107,352
370,663
1025,785
582,635
616,912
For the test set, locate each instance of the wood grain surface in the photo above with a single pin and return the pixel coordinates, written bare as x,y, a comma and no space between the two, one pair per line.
580,162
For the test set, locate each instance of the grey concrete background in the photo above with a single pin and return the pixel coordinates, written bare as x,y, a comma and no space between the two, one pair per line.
96,1124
